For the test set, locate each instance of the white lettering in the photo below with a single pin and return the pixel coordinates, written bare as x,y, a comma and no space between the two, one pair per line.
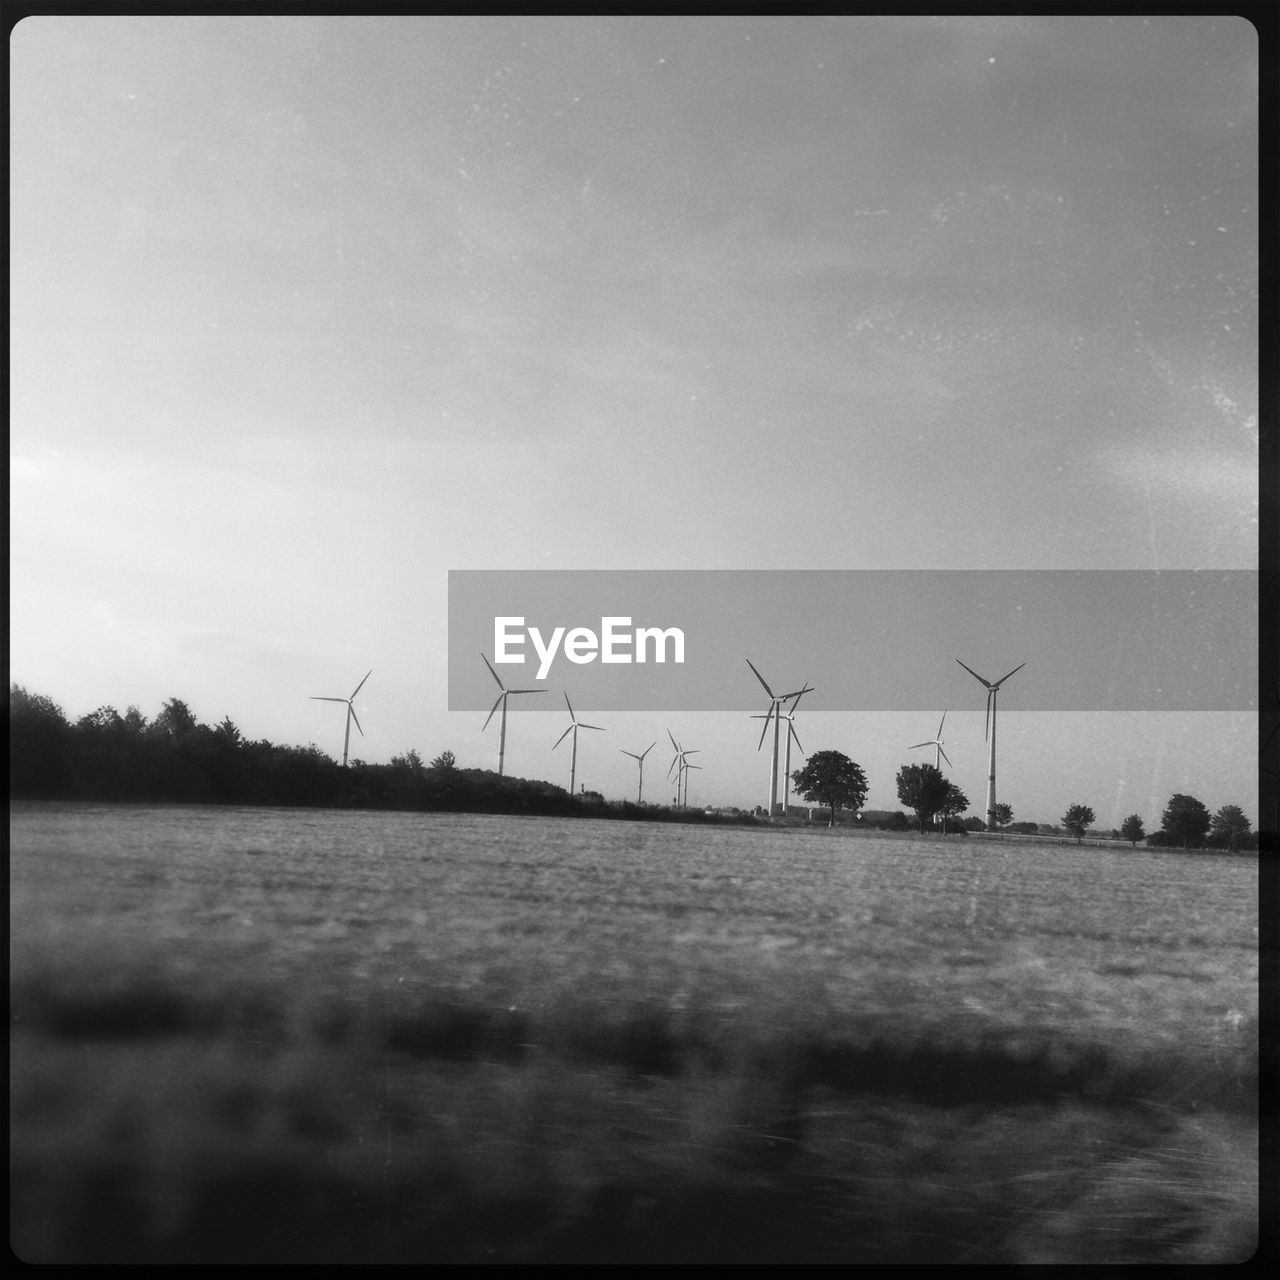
609,638
546,654
659,636
581,645
501,639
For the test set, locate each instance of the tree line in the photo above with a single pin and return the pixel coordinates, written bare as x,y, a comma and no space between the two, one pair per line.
832,779
174,759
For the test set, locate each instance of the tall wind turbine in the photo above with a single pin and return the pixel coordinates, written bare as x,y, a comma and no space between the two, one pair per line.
574,726
775,714
993,687
790,718
640,759
502,698
791,733
680,763
939,755
351,715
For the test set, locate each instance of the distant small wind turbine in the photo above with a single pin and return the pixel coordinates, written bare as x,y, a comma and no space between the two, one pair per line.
939,755
351,715
574,726
680,763
775,714
502,698
993,687
640,759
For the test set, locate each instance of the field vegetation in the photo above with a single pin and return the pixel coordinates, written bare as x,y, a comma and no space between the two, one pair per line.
299,1036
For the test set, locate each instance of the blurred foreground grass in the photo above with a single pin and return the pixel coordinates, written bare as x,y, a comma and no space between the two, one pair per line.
157,1122
294,1037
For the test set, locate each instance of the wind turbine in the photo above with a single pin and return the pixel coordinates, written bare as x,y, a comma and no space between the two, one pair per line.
789,717
775,714
502,698
351,715
574,726
640,759
939,755
993,687
680,763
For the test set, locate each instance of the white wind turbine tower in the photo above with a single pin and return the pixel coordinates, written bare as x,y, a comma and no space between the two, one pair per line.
993,687
775,714
574,726
351,715
789,717
640,759
681,764
502,698
939,755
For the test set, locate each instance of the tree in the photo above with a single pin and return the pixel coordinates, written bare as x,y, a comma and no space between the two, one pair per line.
1229,824
1131,829
39,745
445,760
831,778
1077,819
174,721
1185,819
1003,814
955,802
923,788
411,761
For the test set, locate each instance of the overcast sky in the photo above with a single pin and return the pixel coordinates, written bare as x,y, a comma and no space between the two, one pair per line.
307,312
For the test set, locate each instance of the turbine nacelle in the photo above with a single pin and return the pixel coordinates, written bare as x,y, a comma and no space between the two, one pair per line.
574,723
993,687
936,741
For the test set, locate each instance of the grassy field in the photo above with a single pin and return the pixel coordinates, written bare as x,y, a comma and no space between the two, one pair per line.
299,1036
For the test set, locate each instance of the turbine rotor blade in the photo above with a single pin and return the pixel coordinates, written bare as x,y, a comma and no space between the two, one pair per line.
355,717
569,704
647,749
492,709
914,745
563,736
796,736
591,726
319,699
493,673
360,686
760,678
940,724
946,757
975,675
765,729
1014,672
